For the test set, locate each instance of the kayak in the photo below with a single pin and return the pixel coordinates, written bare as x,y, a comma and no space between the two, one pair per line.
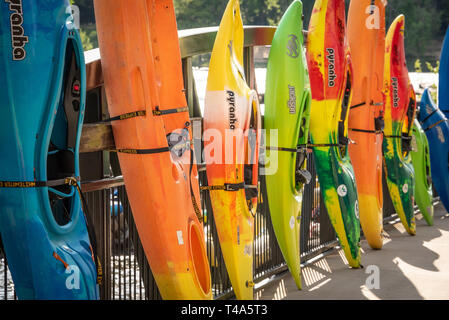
142,71
436,127
400,107
232,131
43,89
421,165
331,83
287,111
443,84
366,115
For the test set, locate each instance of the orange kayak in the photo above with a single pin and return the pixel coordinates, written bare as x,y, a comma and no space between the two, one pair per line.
366,20
143,78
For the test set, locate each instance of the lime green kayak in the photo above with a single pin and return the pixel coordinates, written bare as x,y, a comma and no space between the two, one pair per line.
287,110
421,164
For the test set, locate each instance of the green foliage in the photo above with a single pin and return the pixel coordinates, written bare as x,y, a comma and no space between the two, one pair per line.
433,69
426,20
418,66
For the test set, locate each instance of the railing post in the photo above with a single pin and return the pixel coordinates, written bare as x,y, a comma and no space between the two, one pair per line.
190,88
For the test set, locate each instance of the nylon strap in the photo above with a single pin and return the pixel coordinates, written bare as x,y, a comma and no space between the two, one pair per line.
358,105
297,150
366,131
38,184
158,112
434,125
430,114
90,231
326,145
228,187
128,115
141,151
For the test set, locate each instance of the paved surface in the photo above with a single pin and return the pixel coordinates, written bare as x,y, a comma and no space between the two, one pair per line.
407,267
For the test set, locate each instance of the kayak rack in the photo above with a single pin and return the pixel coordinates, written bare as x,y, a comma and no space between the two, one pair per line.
127,275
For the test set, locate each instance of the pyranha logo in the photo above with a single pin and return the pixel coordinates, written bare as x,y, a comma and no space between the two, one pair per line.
18,38
231,103
394,83
331,68
293,46
291,99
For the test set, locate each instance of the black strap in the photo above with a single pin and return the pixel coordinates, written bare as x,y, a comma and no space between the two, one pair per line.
38,184
195,205
326,145
141,151
90,231
429,115
358,105
435,124
158,112
228,187
366,131
125,116
300,148
71,181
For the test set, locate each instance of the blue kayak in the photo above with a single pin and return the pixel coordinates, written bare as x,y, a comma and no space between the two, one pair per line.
42,93
436,127
443,86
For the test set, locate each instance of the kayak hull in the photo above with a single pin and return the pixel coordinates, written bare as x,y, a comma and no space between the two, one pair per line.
421,165
436,127
43,89
331,83
400,105
232,125
162,186
287,111
367,102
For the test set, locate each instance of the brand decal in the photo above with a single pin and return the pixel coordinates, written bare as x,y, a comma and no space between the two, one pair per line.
231,105
356,210
293,46
18,38
292,99
395,84
331,68
405,188
342,190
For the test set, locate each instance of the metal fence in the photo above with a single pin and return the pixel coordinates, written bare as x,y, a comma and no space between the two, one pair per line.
127,275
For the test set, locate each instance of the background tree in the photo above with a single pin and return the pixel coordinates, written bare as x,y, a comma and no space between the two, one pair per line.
426,20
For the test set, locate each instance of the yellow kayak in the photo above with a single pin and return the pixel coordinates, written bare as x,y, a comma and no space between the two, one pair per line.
232,126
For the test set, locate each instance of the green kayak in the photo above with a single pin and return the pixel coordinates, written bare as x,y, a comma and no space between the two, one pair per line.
287,111
421,163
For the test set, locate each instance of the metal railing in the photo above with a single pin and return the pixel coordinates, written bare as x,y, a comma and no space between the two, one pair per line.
127,274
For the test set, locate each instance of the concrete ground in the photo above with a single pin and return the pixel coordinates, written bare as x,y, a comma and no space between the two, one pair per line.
412,268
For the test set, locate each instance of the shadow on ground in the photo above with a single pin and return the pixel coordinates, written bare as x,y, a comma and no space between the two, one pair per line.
409,267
